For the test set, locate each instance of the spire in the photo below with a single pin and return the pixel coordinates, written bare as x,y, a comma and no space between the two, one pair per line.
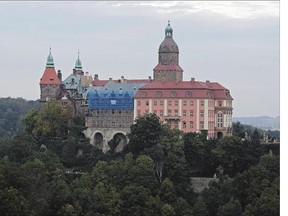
50,61
168,30
78,64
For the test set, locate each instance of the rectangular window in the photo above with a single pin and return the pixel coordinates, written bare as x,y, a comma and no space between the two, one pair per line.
161,103
176,112
202,103
138,103
202,125
176,103
184,103
219,103
184,113
201,113
191,103
169,112
191,124
191,113
161,113
169,103
147,103
176,124
184,124
155,103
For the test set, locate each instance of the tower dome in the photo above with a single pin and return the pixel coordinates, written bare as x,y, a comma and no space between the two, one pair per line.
168,44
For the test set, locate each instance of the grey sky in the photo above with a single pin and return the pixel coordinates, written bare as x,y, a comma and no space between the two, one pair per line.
233,43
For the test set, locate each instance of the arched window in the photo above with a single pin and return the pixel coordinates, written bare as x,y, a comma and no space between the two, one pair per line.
220,119
143,94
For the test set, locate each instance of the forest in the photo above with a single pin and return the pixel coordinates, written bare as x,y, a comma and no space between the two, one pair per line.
47,168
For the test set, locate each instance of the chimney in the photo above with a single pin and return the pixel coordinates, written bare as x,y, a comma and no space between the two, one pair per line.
96,77
207,81
149,77
122,79
86,73
59,74
192,79
110,79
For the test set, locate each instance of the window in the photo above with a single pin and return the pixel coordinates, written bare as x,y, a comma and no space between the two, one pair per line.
161,103
176,103
220,119
202,103
191,103
113,111
138,103
219,103
155,103
184,113
191,113
184,103
158,94
147,103
184,124
169,112
202,125
169,103
176,124
138,113
173,94
201,113
191,124
188,94
155,112
143,94
176,112
161,113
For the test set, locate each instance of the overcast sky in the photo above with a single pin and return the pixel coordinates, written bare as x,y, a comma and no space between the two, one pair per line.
233,43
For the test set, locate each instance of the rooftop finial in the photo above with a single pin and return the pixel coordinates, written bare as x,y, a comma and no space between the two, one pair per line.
78,64
50,61
168,30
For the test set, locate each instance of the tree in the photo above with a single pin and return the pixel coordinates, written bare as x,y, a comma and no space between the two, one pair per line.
145,133
200,207
232,208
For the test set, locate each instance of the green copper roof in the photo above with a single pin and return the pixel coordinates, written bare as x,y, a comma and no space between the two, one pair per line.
168,30
50,61
78,64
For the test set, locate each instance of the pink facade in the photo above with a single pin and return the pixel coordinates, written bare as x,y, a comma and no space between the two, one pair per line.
190,106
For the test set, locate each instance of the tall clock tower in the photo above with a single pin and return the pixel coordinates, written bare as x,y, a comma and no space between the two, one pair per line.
168,68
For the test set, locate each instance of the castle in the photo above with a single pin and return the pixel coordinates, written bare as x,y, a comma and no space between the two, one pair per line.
111,106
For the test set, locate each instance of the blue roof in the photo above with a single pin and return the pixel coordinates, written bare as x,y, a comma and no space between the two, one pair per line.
113,96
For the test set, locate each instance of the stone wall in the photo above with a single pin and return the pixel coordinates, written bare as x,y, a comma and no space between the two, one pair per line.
199,183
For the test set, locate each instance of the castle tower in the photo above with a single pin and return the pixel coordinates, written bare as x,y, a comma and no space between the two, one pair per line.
78,67
49,83
168,68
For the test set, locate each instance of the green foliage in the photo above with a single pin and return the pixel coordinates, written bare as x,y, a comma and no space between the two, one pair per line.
11,111
232,208
145,133
200,207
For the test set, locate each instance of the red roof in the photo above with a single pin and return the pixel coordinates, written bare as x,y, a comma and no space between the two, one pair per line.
171,67
197,88
50,77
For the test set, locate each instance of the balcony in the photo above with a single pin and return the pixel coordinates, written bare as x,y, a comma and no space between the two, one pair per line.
172,117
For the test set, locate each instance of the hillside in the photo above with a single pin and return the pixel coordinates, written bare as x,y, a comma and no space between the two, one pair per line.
262,122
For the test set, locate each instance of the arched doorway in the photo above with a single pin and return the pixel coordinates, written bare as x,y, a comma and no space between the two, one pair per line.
119,141
219,135
98,140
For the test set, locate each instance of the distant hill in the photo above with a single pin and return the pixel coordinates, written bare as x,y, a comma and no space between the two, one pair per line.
11,112
262,122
